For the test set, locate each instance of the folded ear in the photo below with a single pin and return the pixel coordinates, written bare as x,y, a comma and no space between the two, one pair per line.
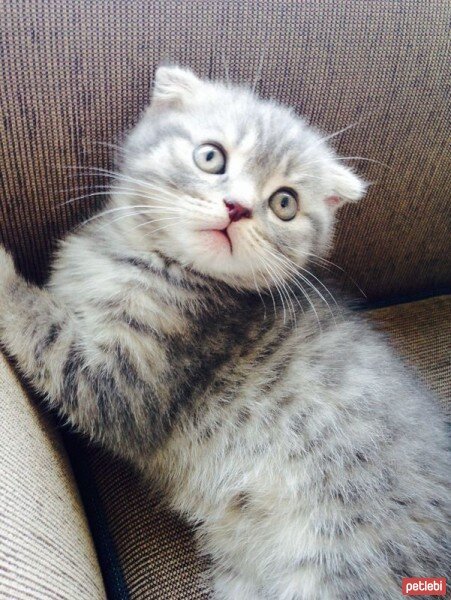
346,186
174,85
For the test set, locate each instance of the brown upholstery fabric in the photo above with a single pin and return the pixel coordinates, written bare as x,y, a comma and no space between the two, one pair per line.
46,551
156,549
77,73
421,333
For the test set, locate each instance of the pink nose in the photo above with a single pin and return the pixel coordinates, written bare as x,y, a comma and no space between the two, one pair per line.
236,210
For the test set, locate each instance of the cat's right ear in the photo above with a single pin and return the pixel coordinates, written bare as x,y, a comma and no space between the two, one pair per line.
174,86
346,186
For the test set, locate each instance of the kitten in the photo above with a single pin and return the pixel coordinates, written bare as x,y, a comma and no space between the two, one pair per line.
184,330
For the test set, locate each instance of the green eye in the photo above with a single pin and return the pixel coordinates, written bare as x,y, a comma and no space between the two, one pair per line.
210,158
284,204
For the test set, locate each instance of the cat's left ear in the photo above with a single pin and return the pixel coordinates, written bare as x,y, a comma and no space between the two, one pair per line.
346,186
174,86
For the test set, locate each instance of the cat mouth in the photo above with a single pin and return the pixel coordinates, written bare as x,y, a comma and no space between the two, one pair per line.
221,235
225,233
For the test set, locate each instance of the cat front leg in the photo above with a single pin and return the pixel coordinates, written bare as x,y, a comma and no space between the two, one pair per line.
34,329
40,334
229,586
96,388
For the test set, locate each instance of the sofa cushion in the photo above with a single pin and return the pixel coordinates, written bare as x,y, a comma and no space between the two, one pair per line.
78,73
46,550
421,332
156,549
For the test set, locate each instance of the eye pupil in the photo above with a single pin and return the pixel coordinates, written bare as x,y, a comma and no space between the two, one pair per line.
210,155
284,202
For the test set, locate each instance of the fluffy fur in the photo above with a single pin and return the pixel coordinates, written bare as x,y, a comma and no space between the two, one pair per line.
209,354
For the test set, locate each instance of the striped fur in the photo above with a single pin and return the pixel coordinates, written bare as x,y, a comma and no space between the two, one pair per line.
314,464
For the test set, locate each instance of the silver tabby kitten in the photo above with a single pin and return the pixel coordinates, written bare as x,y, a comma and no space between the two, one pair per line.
183,332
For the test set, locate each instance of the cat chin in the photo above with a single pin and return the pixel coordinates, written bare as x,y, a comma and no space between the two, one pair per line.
223,267
211,256
220,254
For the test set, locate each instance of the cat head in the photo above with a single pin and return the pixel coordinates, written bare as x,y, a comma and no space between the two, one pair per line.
233,186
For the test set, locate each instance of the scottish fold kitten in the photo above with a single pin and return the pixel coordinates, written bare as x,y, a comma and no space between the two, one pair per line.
184,330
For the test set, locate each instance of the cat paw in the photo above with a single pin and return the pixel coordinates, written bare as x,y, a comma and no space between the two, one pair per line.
7,270
230,587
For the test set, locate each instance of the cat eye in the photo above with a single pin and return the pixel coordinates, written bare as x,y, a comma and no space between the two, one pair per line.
210,158
284,204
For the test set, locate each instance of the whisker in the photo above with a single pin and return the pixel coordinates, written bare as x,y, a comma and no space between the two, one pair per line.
268,286
278,291
138,213
80,188
283,291
307,297
120,177
318,162
107,212
279,284
147,186
112,146
160,229
145,208
371,160
294,275
84,197
116,176
285,285
156,220
112,192
289,289
295,267
322,260
329,137
258,290
297,284
259,70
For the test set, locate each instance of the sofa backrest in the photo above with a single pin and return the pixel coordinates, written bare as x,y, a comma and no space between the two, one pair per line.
76,74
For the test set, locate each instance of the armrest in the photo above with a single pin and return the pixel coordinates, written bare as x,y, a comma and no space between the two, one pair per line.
46,550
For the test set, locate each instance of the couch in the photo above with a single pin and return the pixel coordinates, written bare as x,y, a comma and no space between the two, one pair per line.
76,523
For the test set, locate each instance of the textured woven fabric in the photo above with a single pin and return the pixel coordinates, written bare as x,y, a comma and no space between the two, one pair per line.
156,549
46,551
421,333
78,73
75,75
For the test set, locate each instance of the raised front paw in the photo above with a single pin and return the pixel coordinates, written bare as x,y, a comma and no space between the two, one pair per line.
7,270
231,587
